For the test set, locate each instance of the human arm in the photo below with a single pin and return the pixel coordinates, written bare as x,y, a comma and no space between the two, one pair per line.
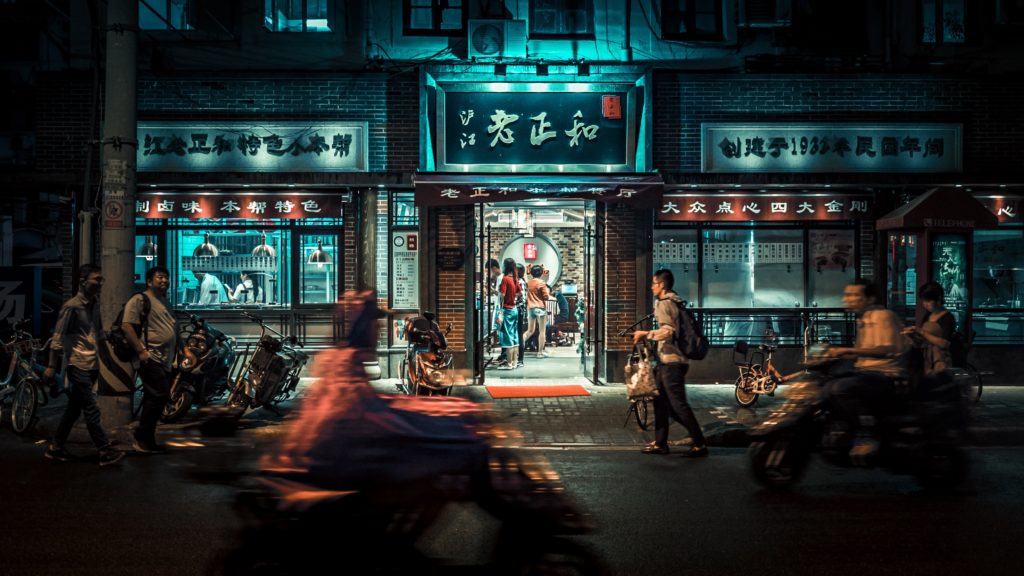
57,342
132,318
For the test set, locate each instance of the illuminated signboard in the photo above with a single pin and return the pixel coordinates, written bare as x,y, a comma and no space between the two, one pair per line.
247,205
764,207
536,127
738,147
530,251
252,147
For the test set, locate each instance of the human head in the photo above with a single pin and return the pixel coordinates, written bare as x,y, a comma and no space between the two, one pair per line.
493,267
662,282
521,270
158,279
860,295
199,275
90,280
536,270
931,295
246,274
509,268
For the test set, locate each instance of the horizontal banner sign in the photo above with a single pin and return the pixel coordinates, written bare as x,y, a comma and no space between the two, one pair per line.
252,147
256,206
1006,208
537,127
438,189
738,147
764,207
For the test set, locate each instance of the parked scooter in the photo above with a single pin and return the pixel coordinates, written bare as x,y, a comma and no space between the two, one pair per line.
201,369
920,434
427,366
271,374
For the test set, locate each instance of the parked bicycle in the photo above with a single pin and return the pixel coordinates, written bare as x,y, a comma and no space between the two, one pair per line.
23,381
756,377
639,406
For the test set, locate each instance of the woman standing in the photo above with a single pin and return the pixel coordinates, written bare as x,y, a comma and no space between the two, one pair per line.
508,318
935,332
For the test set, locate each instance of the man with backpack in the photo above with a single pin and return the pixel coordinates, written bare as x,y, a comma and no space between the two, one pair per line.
670,372
152,331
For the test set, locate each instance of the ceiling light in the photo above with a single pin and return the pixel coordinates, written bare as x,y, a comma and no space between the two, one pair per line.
206,249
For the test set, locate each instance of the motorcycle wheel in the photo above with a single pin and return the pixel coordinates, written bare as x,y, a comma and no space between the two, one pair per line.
942,467
177,406
237,397
23,407
778,462
744,396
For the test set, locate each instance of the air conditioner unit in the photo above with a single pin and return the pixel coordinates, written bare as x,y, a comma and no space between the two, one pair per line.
497,39
766,13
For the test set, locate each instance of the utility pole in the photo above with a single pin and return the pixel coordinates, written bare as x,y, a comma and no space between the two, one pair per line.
117,242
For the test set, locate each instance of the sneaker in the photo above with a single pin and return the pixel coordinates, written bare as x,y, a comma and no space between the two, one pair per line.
148,447
519,365
58,453
505,367
542,355
696,452
109,456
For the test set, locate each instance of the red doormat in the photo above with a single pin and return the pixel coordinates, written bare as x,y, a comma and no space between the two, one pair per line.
537,391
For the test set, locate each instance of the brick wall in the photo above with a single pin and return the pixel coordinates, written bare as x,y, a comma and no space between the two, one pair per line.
451,285
568,242
991,111
620,264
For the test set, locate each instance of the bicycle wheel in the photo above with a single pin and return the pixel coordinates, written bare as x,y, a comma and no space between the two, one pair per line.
745,395
640,412
23,407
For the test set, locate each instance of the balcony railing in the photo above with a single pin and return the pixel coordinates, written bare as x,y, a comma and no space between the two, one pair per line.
777,326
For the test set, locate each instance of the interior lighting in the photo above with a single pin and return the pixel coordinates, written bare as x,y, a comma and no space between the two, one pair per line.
319,256
148,250
206,248
264,249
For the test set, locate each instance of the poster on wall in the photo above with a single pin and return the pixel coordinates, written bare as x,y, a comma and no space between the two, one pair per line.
405,270
831,249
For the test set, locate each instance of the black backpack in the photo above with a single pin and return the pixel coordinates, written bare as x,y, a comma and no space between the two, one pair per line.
118,340
690,336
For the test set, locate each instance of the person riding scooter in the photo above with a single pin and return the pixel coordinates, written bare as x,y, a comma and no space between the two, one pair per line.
879,360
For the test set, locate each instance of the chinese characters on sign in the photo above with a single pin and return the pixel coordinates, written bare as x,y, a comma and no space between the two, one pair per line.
253,206
1006,208
251,147
533,128
830,148
435,189
405,270
765,208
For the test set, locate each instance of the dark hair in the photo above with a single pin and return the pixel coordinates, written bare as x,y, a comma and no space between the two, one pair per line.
666,278
521,270
248,272
86,270
869,288
536,270
931,291
492,263
152,272
509,268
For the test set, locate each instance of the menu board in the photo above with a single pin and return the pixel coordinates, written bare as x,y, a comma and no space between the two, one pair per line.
405,270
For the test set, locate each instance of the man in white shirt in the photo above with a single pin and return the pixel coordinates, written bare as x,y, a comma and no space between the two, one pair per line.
211,289
247,292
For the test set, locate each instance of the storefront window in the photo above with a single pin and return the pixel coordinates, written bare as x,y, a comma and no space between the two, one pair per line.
755,268
832,266
216,268
318,279
949,269
901,286
676,250
998,284
147,254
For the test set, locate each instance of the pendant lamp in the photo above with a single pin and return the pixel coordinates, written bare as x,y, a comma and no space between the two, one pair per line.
318,256
206,248
264,249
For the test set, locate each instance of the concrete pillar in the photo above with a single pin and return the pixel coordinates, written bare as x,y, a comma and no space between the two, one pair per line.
366,236
117,209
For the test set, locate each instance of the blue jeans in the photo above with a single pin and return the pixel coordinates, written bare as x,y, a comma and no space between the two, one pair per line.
81,400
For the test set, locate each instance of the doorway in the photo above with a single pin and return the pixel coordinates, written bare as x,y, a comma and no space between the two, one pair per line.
560,239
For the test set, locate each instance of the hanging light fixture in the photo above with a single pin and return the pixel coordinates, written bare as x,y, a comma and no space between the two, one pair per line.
148,250
318,256
264,249
206,248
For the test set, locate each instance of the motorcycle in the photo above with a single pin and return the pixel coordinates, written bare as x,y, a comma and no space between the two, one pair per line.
201,371
290,525
271,374
920,434
427,366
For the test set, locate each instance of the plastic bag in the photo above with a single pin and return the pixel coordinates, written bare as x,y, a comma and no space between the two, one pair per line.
640,381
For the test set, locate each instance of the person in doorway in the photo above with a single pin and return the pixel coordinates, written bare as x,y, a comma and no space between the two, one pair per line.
211,289
521,309
879,353
670,372
935,333
247,292
75,344
508,315
537,295
494,291
155,353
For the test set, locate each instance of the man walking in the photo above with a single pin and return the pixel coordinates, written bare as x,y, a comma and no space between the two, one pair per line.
153,335
75,343
670,373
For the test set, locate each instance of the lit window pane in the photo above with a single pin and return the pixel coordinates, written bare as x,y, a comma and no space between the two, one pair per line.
953,21
928,21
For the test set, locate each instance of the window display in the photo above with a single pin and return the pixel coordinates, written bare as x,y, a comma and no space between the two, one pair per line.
755,268
901,284
229,267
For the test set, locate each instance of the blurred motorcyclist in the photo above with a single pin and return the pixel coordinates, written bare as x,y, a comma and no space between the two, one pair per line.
878,354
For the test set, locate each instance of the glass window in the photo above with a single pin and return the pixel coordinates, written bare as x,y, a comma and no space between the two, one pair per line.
998,278
676,250
949,269
318,277
692,20
833,266
433,17
561,18
165,14
901,286
216,268
755,268
296,16
147,253
943,22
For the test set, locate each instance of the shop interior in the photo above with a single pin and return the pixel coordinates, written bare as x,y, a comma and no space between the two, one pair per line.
557,236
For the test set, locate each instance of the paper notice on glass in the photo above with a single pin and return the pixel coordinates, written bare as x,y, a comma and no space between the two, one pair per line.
405,270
